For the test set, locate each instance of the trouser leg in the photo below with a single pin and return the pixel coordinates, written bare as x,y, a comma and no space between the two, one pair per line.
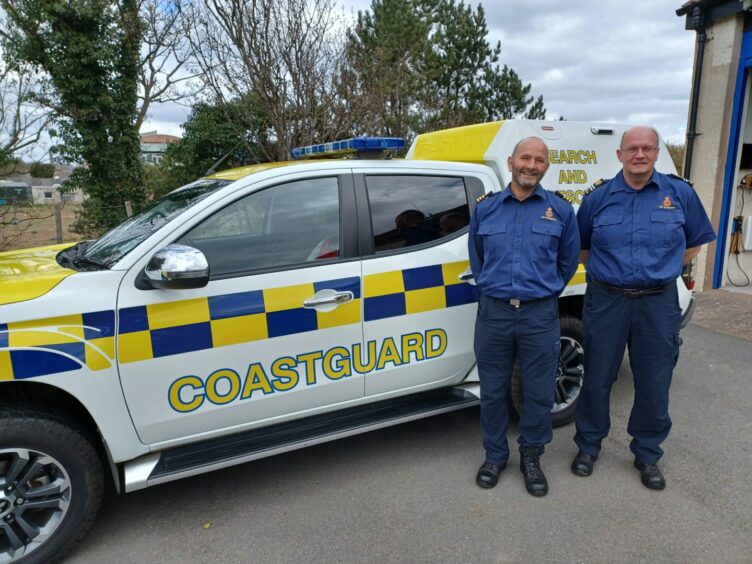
606,318
494,353
653,352
538,344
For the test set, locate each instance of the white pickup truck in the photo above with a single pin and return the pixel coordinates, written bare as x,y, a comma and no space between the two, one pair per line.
253,312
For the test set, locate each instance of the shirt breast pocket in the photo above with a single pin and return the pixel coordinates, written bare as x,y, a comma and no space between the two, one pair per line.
494,238
547,234
667,227
607,230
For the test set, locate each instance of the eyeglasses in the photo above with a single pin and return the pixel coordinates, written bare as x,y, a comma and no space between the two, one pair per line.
646,150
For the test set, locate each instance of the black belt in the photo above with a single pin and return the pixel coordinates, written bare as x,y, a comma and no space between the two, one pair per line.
634,292
517,303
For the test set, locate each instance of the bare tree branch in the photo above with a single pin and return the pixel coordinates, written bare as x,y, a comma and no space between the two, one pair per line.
164,55
23,122
278,55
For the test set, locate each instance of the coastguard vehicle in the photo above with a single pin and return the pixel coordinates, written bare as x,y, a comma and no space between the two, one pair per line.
252,312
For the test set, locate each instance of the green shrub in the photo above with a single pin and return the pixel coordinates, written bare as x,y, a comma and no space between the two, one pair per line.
42,170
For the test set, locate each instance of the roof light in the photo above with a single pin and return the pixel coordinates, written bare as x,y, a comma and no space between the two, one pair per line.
360,147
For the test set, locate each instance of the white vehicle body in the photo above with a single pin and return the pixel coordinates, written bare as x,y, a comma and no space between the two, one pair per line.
320,311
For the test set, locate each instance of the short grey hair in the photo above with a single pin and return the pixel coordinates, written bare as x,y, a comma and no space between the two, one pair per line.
653,129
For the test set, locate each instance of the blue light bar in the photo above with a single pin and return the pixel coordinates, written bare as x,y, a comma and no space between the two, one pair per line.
370,146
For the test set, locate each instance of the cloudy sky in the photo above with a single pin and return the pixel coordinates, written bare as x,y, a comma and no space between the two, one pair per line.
627,61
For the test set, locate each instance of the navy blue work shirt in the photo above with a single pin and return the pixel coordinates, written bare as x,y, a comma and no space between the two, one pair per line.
637,238
525,249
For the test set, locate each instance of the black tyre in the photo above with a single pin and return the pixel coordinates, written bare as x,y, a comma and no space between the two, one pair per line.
569,375
51,485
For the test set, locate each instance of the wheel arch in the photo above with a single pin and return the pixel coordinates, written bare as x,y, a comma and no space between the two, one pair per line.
63,403
571,305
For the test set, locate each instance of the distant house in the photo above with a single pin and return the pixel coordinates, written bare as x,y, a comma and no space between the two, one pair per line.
20,187
12,192
154,145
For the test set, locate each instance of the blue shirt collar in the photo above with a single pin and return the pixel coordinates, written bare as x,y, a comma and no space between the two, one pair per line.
539,191
620,185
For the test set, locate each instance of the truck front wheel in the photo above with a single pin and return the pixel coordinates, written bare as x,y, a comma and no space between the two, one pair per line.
569,374
51,485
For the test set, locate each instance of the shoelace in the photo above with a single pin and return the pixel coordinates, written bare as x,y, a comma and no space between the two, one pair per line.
532,467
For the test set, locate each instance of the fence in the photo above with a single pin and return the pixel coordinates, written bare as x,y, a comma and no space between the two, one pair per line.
36,226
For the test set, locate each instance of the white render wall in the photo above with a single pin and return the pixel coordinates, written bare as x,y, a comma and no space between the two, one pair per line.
713,125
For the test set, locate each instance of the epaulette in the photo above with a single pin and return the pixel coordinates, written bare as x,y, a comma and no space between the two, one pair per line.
564,197
672,175
479,199
595,185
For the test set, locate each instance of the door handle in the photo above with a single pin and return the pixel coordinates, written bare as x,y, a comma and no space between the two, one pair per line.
466,276
328,298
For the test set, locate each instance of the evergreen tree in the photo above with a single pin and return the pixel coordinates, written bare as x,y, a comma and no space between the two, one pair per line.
419,65
387,54
469,86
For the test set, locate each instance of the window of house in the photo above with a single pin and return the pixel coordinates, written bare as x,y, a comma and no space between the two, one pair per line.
411,210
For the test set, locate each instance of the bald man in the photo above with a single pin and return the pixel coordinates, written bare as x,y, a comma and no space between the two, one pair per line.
524,248
637,231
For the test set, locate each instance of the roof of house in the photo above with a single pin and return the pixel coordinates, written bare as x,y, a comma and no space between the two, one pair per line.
154,137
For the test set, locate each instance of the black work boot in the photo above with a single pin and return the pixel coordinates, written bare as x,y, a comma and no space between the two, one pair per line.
535,480
650,475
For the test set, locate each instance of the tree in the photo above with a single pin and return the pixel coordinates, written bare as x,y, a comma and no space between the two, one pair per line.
427,64
279,56
387,55
22,122
676,150
89,51
209,135
164,54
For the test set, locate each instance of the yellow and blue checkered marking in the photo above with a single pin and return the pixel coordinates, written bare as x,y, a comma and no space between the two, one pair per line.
61,344
53,345
414,290
159,330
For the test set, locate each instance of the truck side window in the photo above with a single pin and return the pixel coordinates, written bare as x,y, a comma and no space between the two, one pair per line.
409,210
288,224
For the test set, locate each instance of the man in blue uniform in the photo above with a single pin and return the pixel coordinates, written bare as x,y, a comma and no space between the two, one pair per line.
524,248
637,230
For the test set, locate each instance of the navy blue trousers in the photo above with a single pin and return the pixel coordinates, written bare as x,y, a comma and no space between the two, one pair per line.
531,334
649,327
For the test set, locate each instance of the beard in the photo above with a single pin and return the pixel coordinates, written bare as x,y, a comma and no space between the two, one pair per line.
526,182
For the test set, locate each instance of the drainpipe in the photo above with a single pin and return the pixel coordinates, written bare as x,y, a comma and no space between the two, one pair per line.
698,25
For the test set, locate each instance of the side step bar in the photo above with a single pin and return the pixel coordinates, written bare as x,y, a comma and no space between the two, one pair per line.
221,452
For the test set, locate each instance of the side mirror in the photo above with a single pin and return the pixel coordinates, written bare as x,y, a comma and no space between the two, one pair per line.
178,267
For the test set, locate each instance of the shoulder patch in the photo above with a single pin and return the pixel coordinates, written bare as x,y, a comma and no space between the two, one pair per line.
595,185
672,175
479,199
564,197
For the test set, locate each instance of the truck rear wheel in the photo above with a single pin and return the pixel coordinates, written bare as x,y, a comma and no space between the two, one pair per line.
569,374
51,485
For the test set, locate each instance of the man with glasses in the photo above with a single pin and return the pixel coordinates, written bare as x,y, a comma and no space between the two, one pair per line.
637,230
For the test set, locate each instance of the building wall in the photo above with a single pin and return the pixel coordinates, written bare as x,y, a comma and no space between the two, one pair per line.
710,152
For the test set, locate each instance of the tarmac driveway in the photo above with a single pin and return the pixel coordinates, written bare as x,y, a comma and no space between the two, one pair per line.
407,494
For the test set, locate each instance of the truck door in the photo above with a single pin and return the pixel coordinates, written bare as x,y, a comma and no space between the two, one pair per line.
418,315
269,336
